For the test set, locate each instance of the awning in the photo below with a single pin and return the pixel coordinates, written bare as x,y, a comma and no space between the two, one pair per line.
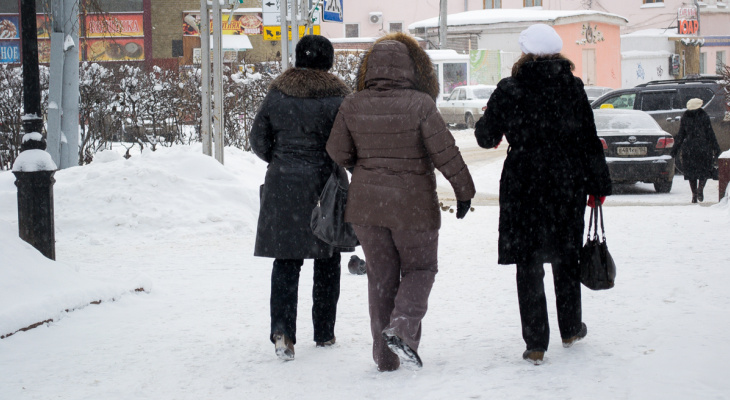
233,42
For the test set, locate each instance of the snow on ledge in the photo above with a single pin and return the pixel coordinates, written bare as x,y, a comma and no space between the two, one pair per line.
33,161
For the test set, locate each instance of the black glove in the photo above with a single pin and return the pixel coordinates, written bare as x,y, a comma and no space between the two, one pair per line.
462,207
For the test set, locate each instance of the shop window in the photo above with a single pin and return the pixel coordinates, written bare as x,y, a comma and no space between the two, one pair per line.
492,4
719,62
703,63
454,75
533,3
352,30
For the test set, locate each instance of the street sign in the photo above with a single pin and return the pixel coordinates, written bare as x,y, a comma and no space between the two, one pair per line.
274,32
332,11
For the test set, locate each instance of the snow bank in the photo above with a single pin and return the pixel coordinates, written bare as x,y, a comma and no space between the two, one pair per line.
35,289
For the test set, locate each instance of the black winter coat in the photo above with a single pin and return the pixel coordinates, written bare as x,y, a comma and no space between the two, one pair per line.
554,160
290,132
697,145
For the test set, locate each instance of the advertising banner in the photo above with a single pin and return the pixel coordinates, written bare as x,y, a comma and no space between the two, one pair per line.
241,24
485,67
9,27
114,25
9,51
117,49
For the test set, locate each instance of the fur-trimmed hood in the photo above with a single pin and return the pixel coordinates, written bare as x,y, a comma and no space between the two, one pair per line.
309,83
397,61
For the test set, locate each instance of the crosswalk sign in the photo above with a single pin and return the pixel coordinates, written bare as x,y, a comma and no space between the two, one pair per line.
332,11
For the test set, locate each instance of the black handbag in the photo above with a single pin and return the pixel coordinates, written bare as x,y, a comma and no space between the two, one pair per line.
597,269
328,217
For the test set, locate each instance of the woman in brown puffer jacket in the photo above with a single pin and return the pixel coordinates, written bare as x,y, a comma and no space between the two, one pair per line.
392,134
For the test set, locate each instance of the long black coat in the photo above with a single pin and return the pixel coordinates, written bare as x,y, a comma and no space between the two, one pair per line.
290,132
697,145
554,160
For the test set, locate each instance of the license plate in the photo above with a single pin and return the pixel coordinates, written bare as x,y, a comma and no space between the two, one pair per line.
631,151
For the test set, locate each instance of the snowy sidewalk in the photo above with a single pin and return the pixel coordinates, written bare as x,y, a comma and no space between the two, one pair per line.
202,330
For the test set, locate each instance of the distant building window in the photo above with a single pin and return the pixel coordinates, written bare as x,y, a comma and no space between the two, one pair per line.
177,48
492,4
352,30
703,63
533,3
720,62
396,27
653,1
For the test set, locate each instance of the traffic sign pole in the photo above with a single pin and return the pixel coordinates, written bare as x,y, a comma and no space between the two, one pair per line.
284,40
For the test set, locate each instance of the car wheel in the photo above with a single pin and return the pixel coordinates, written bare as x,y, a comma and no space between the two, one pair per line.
663,186
469,121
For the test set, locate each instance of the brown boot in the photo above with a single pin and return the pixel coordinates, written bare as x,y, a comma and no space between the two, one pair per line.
580,335
533,356
327,343
284,347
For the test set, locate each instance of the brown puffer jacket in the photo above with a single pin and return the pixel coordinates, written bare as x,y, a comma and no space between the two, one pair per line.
392,134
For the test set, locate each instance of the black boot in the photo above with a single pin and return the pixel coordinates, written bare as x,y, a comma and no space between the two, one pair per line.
701,189
693,187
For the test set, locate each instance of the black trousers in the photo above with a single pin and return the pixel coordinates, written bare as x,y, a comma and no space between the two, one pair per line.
325,294
533,306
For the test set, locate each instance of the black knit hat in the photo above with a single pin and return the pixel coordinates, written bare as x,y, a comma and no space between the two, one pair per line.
315,51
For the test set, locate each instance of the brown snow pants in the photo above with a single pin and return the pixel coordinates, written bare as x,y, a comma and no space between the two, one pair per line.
401,269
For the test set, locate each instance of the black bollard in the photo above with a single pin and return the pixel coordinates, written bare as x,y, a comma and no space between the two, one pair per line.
35,210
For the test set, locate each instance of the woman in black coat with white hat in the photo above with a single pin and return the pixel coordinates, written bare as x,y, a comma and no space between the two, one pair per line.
554,161
290,132
698,147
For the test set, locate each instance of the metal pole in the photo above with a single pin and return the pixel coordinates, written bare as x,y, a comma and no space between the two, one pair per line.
284,38
70,156
697,6
218,81
442,24
294,30
205,123
32,120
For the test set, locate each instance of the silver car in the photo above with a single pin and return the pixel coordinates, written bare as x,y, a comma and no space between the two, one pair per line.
465,105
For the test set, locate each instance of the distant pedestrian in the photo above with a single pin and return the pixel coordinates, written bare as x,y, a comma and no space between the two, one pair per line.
392,134
290,132
553,161
697,145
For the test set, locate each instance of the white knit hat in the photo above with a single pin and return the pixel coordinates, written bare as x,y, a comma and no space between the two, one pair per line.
540,40
693,104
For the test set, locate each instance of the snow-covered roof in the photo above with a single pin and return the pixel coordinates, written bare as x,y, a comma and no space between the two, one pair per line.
440,55
496,16
353,40
640,54
657,32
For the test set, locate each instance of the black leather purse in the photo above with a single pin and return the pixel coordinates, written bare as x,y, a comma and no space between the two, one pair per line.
597,269
328,217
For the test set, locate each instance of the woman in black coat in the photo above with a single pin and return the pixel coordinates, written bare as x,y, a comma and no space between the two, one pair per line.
698,147
554,160
290,133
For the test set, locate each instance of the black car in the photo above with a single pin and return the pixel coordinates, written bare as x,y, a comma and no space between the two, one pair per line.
636,148
666,101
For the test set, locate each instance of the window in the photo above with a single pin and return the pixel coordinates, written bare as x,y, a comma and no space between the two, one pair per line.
622,101
685,94
352,30
656,101
533,3
177,48
653,1
395,27
454,75
492,4
719,62
703,63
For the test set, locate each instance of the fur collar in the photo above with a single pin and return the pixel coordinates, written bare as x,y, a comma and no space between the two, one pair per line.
424,74
309,83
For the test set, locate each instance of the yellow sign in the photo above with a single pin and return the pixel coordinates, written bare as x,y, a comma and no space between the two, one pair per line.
274,32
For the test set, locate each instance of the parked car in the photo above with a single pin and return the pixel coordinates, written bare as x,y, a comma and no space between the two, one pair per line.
464,105
666,101
595,92
636,148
